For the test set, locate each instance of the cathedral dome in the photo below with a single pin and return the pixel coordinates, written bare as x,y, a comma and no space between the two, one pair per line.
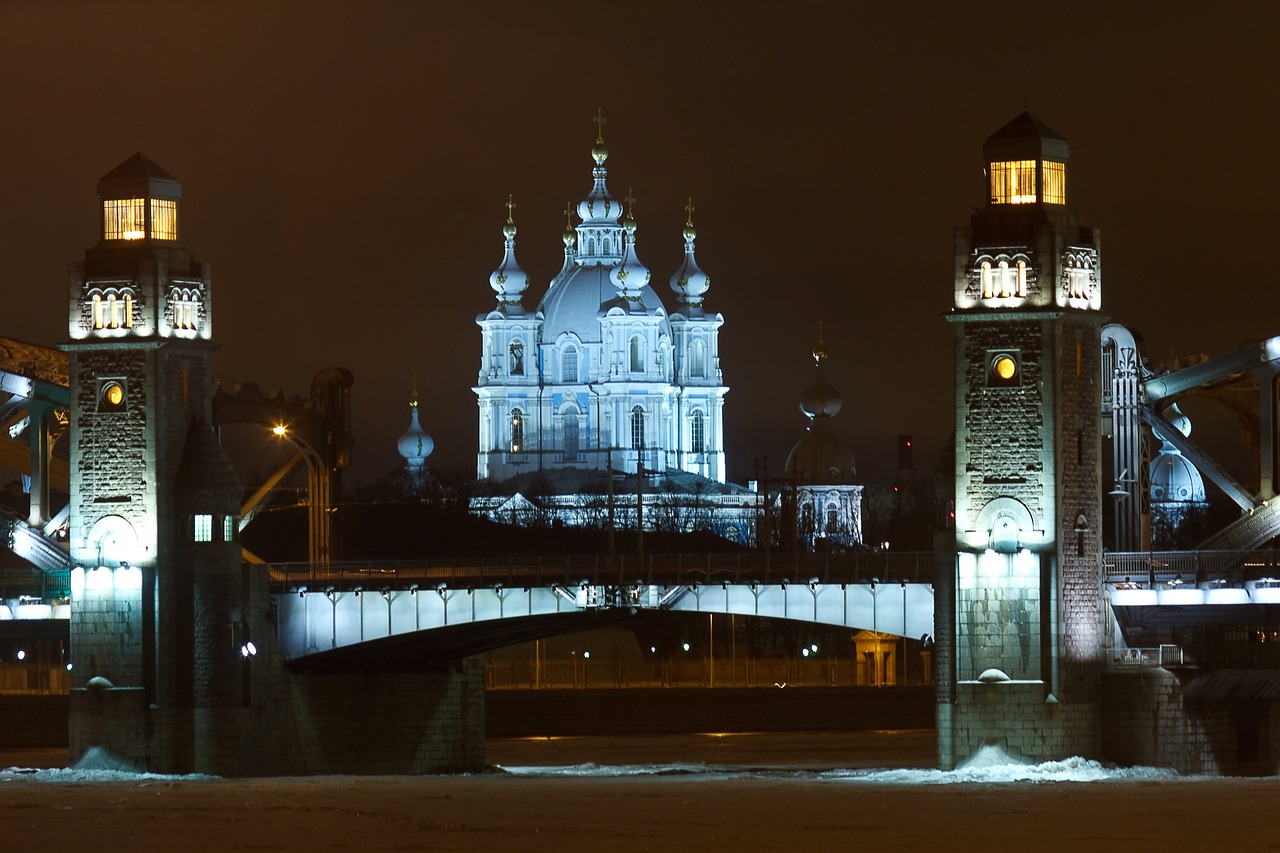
573,303
822,457
1173,477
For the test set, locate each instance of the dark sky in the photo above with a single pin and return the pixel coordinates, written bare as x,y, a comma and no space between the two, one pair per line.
345,166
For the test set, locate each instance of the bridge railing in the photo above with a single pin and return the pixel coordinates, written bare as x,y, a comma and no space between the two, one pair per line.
660,569
1149,568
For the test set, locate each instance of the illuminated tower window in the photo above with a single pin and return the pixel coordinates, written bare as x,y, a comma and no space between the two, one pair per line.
128,310
164,219
113,312
1055,181
97,311
1013,182
698,433
516,362
203,528
124,219
988,283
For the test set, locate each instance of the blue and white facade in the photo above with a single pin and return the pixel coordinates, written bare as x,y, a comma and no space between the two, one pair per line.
599,376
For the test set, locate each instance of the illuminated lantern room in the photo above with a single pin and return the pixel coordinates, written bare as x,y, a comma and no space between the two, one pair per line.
1026,163
139,202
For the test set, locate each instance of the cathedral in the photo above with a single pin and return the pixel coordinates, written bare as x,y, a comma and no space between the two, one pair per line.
600,381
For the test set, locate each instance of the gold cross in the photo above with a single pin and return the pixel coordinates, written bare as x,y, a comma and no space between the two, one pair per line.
568,216
689,208
511,205
600,123
631,205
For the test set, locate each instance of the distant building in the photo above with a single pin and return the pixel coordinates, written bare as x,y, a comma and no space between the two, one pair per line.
600,381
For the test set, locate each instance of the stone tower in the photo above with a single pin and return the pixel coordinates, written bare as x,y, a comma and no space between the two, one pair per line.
1021,641
154,502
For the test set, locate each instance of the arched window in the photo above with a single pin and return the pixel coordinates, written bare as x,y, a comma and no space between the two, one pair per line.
833,519
570,433
569,365
637,428
517,431
516,364
97,311
637,354
988,286
698,433
697,360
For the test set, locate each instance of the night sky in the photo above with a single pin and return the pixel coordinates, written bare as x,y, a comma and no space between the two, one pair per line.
345,168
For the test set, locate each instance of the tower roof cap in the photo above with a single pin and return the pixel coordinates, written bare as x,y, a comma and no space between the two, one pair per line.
139,177
1026,137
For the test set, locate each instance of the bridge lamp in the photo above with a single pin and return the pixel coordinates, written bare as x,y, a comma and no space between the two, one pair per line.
280,430
586,655
69,666
248,650
22,654
814,648
686,647
804,652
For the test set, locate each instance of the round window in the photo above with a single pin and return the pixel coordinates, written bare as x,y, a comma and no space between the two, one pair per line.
112,394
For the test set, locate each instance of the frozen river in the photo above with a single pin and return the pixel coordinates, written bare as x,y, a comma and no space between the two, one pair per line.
864,791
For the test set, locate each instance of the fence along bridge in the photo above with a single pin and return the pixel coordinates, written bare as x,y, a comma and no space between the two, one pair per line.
402,614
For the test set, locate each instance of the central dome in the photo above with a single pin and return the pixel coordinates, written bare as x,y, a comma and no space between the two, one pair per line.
574,302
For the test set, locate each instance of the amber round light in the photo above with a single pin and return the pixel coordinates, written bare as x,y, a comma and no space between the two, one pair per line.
1005,367
112,394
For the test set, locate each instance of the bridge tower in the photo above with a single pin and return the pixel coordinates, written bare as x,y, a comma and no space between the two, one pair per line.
153,529
1021,645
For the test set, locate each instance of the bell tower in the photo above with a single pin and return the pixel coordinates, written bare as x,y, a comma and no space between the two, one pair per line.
153,501
1023,666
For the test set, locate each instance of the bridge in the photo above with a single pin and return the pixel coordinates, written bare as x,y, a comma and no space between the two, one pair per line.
330,617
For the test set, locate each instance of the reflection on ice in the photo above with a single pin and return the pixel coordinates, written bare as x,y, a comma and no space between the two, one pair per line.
988,769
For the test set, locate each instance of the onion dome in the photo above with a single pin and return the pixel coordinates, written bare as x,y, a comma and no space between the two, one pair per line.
415,445
820,400
1173,477
821,456
629,276
508,280
689,282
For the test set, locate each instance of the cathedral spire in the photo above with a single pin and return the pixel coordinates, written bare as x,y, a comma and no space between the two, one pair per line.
690,282
508,280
